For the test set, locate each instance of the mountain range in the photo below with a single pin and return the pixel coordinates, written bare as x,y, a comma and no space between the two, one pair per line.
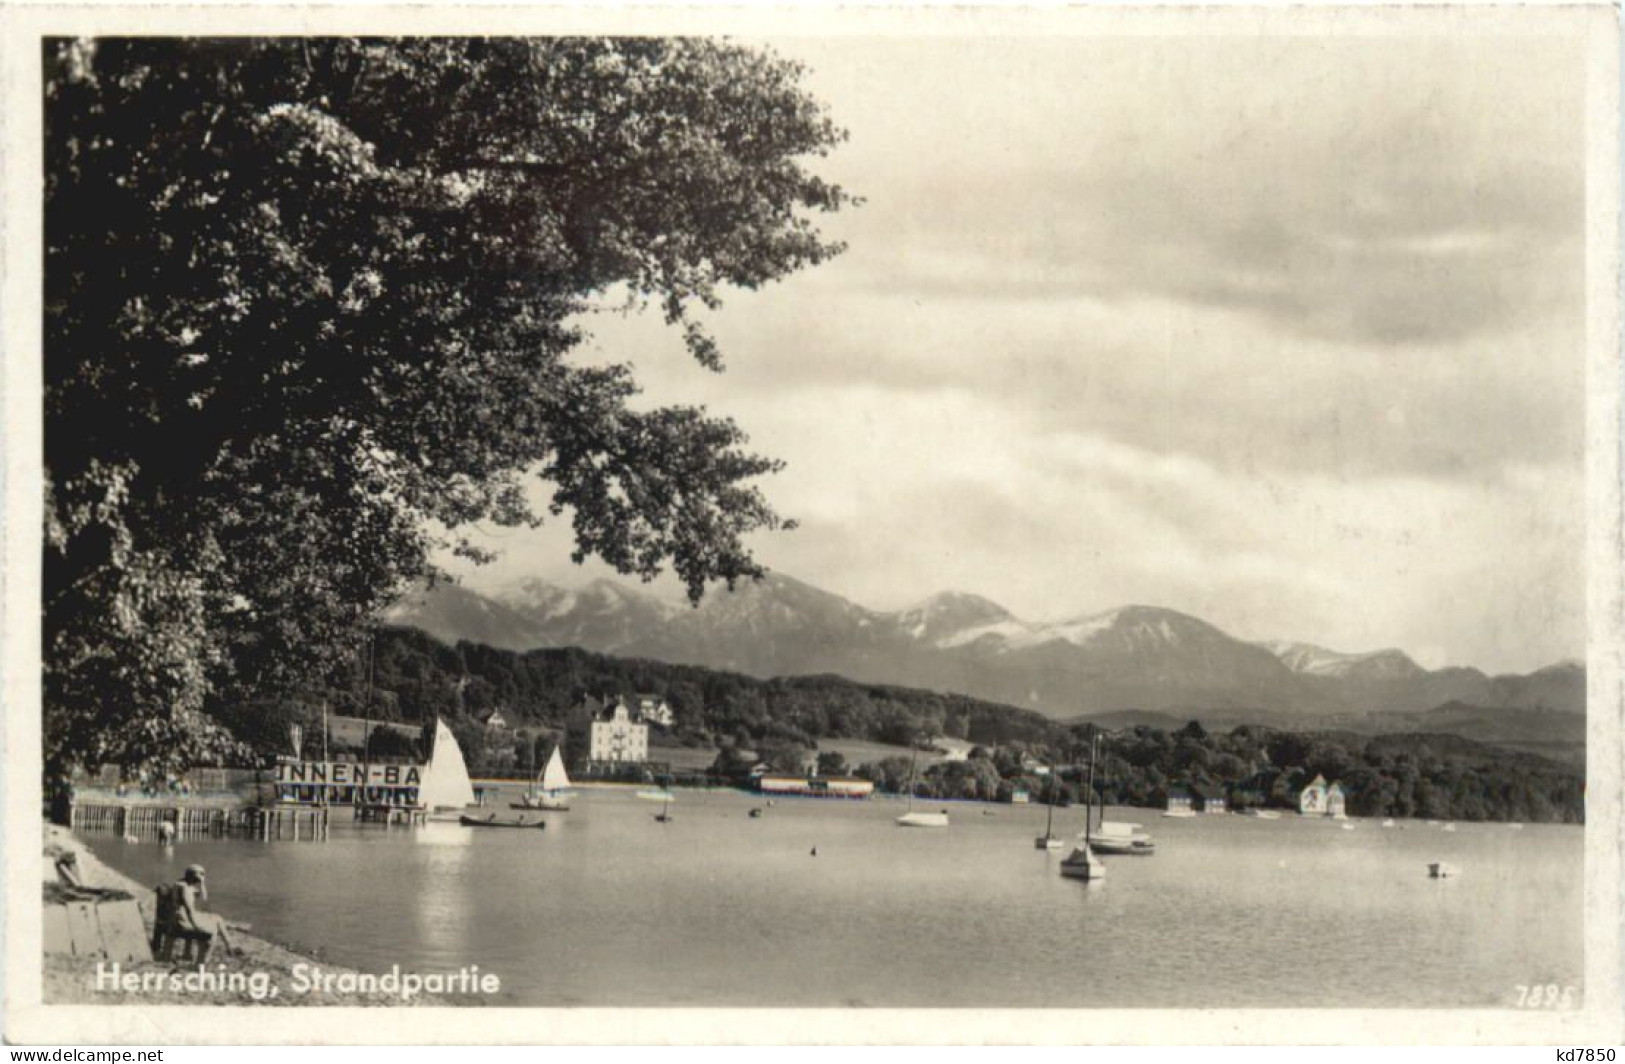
1134,658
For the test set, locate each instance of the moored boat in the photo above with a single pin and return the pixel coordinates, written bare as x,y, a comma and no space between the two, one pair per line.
549,792
1082,863
1442,870
663,796
1265,814
1048,840
1118,838
911,819
492,822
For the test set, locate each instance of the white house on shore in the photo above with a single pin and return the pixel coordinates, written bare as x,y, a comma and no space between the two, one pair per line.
652,709
1319,798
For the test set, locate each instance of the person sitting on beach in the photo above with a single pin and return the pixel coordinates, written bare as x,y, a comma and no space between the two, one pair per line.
71,879
178,918
67,871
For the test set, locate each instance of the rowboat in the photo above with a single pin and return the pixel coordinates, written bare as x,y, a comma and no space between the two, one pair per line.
492,822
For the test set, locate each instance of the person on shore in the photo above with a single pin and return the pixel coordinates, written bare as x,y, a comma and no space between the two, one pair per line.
62,801
178,918
70,880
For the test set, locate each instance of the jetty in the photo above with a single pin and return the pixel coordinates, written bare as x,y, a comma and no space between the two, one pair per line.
193,821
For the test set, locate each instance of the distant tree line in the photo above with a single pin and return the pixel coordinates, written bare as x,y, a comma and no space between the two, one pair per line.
411,677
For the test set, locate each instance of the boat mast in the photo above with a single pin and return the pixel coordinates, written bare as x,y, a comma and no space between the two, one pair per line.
1089,799
913,752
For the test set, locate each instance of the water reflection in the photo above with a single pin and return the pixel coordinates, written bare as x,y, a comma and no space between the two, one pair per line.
607,907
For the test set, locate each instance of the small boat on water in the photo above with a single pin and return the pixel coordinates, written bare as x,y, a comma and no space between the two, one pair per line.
756,813
446,789
1118,838
1265,814
911,819
1450,826
1388,823
663,796
1082,863
1179,814
549,791
1346,827
1048,840
1442,870
1515,826
492,822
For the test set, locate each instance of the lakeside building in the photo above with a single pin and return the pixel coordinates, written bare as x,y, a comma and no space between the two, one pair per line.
814,786
652,709
616,735
1312,798
1335,801
1209,799
1179,800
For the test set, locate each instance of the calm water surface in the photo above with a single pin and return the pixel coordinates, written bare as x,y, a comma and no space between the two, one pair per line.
607,907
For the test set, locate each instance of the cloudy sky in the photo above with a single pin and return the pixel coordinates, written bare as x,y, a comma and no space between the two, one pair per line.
1287,334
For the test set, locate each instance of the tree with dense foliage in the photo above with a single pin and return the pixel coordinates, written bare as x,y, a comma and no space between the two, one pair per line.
832,763
308,310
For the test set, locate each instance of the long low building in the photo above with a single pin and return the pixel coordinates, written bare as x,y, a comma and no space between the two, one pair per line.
815,786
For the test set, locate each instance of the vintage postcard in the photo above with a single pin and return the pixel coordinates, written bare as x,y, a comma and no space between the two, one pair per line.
810,525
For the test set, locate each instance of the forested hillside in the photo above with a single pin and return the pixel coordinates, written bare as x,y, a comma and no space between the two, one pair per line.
414,677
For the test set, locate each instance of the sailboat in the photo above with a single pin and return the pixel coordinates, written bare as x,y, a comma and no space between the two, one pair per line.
1048,840
446,788
548,793
663,796
1082,863
911,819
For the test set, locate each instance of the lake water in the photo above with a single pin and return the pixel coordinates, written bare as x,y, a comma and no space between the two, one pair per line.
606,907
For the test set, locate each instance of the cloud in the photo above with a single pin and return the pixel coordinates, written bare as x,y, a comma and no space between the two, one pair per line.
1286,333
1379,191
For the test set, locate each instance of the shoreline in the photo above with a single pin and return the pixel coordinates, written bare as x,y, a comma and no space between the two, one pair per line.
251,971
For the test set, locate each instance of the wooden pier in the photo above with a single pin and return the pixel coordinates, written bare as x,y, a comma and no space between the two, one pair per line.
194,822
392,814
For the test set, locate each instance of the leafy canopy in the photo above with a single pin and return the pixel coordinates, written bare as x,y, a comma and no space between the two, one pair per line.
309,307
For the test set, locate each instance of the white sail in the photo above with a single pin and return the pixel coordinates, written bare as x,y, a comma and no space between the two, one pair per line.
445,780
554,778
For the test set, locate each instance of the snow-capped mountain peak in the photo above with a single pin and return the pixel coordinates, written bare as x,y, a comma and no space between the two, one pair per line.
950,618
1311,660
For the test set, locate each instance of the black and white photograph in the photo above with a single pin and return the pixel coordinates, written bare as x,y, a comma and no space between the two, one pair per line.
880,511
